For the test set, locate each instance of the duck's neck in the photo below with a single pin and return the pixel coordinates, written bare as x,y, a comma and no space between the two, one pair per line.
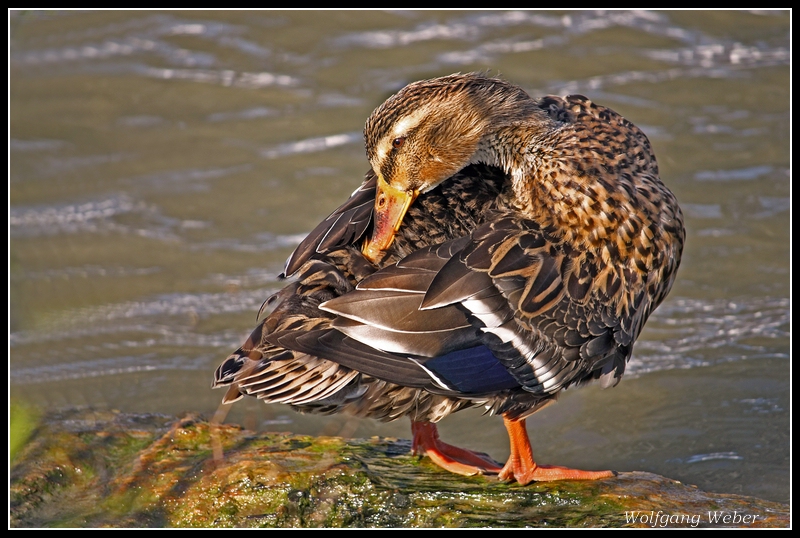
509,149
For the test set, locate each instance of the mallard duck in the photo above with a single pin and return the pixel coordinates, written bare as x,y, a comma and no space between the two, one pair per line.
501,249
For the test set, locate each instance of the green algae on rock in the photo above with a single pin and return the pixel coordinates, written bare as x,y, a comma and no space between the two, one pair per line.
107,469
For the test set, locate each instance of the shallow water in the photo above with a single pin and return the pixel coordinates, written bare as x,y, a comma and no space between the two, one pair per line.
164,164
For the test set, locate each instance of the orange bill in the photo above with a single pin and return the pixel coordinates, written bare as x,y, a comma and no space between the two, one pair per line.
391,205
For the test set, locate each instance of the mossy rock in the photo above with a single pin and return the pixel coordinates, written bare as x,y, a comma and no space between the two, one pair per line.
90,469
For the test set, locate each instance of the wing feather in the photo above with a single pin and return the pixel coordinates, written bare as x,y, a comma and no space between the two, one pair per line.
342,228
503,288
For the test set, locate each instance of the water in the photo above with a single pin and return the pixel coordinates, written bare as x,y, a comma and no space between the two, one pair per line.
164,164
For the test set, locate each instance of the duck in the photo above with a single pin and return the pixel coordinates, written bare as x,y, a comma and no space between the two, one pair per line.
501,249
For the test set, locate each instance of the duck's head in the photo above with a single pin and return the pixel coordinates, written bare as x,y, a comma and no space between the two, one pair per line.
427,132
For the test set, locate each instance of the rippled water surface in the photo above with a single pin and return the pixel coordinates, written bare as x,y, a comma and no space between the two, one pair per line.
164,164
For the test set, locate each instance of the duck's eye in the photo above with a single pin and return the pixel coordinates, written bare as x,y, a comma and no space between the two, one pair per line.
397,143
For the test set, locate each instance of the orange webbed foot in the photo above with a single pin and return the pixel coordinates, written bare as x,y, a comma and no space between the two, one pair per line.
526,473
521,468
452,458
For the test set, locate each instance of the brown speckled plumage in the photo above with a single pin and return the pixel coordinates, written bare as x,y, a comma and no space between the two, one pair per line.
514,247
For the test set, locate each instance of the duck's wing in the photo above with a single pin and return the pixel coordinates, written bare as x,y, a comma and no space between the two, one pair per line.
510,298
261,367
573,316
345,226
296,356
397,337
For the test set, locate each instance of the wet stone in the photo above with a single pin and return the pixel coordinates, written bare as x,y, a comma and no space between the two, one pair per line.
108,469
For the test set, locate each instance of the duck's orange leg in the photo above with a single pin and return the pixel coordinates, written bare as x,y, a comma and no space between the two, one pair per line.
456,460
521,467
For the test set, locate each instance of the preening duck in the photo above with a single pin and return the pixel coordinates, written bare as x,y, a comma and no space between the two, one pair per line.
501,249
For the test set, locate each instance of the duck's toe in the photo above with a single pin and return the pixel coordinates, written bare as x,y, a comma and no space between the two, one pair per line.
451,458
